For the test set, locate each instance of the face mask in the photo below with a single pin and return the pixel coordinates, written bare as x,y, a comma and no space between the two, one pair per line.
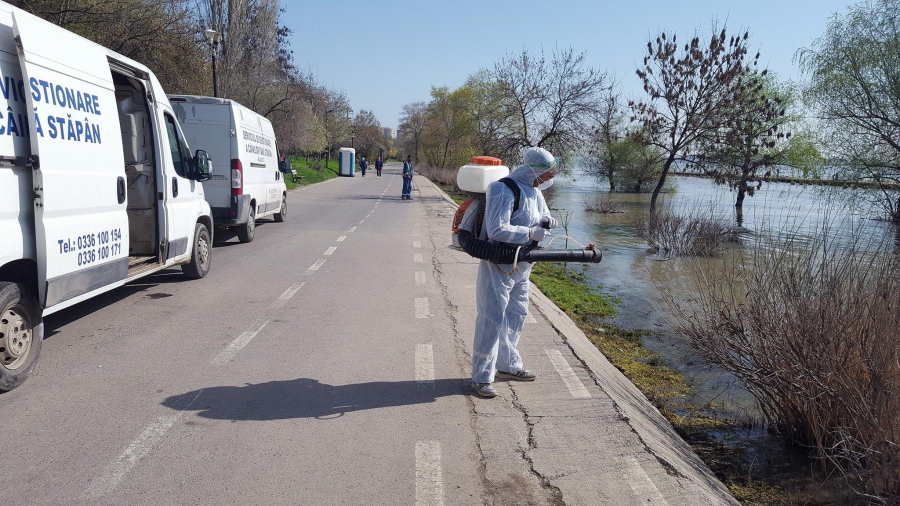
545,185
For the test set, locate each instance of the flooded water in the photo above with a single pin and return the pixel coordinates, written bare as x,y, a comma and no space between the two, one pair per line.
639,277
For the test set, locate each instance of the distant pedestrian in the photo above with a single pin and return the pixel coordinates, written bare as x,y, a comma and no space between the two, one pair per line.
378,166
407,178
363,165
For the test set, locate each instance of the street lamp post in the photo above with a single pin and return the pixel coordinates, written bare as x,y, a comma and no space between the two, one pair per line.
213,37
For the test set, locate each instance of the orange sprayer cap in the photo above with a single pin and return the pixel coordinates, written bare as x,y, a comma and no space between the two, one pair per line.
486,160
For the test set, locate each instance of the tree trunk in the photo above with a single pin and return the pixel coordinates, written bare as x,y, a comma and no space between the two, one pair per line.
612,182
742,192
662,181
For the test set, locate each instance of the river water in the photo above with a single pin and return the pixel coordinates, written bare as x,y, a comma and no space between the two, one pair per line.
640,277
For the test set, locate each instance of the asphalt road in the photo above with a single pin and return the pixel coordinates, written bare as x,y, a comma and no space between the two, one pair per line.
326,362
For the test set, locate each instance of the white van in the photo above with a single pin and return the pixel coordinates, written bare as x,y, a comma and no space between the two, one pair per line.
254,187
97,184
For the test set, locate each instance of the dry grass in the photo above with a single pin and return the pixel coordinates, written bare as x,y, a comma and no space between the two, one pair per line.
442,175
812,331
686,234
602,204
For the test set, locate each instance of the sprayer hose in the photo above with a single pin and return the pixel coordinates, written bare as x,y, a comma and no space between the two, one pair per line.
504,254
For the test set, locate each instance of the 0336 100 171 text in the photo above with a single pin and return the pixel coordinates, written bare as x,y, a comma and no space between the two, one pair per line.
93,247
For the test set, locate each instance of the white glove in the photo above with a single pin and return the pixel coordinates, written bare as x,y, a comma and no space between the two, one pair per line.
537,233
551,221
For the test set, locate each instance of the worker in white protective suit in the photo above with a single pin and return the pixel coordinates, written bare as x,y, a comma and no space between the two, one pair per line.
502,298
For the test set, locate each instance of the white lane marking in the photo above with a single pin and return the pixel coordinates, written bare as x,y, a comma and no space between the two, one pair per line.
530,319
418,258
341,238
422,310
576,388
641,484
420,278
238,344
351,230
138,449
360,222
329,251
429,481
280,301
314,267
417,244
425,364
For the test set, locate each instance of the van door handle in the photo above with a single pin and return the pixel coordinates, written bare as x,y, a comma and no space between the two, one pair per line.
120,183
175,187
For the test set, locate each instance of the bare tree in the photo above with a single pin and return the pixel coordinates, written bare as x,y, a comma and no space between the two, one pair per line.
412,122
689,89
551,103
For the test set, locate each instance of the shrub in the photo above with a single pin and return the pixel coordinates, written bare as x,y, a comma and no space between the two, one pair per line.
442,175
811,329
684,234
602,204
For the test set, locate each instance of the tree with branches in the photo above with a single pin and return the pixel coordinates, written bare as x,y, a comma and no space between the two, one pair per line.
412,123
756,136
854,84
689,91
550,104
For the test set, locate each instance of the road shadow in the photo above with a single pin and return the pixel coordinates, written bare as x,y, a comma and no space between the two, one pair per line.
309,398
55,321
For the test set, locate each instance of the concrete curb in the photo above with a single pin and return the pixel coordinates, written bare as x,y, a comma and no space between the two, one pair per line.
648,423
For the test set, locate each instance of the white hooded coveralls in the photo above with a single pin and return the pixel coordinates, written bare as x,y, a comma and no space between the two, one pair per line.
501,300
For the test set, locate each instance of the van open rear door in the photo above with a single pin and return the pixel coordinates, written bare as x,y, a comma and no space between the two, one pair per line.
81,220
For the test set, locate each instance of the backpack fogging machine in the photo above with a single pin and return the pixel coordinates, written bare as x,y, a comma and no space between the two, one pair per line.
469,234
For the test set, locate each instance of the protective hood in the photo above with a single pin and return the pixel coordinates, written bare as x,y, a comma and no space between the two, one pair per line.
525,174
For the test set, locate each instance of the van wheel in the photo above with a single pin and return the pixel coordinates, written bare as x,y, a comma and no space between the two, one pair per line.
20,334
198,267
281,215
246,231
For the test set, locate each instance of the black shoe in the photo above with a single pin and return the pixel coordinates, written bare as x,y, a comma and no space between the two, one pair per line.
523,375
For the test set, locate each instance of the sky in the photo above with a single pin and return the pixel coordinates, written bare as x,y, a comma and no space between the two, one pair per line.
384,54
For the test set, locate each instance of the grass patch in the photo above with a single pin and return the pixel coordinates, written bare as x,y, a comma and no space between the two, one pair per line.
571,294
624,348
455,193
313,171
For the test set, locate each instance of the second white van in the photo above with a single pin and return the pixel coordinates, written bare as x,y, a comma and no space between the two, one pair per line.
254,187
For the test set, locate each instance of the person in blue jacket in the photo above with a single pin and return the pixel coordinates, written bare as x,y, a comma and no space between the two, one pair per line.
407,178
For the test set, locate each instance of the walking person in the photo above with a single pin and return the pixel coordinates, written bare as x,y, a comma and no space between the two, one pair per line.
502,299
379,164
363,165
407,178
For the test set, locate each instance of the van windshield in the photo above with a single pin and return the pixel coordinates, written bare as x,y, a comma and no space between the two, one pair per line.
181,156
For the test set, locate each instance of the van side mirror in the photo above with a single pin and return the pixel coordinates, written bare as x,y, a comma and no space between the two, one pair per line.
202,166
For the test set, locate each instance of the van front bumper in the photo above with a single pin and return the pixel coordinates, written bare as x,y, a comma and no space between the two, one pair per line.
237,214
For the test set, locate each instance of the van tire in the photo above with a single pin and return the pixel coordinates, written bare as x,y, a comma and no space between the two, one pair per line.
201,254
281,215
20,317
247,231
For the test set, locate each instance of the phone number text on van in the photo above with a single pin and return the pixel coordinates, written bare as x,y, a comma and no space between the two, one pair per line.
93,247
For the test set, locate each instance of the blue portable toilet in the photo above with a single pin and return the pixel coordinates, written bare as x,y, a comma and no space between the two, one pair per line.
347,162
